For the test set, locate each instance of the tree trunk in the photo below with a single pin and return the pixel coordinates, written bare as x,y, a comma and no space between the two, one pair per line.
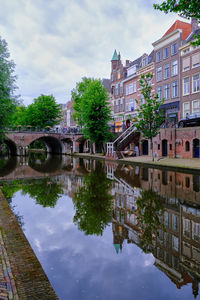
152,149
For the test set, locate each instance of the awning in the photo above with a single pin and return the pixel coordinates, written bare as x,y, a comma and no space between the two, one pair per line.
170,105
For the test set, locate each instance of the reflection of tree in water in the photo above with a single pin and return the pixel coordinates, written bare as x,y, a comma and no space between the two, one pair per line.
93,203
149,212
8,191
44,191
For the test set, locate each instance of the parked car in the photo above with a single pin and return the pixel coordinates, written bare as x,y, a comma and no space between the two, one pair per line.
190,120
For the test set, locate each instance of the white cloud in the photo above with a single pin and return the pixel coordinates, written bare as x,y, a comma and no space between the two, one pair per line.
54,45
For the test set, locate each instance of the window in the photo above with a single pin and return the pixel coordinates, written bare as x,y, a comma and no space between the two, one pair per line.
166,70
166,91
186,108
121,88
158,56
174,48
166,52
127,105
166,217
186,86
121,104
118,74
186,50
196,83
186,64
196,106
186,227
126,90
131,108
175,223
175,243
159,74
187,179
116,90
170,146
159,91
131,70
174,68
196,60
174,89
144,61
130,88
116,106
187,148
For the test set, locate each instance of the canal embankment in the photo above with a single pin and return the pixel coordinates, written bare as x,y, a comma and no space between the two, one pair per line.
21,273
182,164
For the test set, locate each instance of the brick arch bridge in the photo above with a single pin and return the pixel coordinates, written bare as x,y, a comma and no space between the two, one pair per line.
58,143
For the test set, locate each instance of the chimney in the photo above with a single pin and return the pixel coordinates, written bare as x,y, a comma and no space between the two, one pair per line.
194,23
127,62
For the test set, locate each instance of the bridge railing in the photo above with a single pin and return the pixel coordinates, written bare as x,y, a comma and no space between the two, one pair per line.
44,130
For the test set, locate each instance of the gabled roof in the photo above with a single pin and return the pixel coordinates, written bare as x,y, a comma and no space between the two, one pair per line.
185,27
115,56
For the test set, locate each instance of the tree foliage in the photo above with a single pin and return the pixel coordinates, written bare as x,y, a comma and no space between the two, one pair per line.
149,211
45,191
93,203
19,116
44,111
149,117
92,110
185,8
7,86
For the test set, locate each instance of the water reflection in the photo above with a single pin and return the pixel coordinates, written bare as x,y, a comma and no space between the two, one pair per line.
92,202
157,210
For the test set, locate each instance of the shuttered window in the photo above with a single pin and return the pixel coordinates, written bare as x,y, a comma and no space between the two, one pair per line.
196,60
186,64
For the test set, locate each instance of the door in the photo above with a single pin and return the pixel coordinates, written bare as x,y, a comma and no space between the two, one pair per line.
196,148
145,150
164,148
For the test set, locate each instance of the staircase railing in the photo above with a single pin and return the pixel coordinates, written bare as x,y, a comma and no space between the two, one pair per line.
120,139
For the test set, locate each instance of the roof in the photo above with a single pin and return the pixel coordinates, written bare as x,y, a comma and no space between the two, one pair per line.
185,27
191,36
115,56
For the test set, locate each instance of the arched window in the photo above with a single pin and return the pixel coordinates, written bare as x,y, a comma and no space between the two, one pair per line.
187,146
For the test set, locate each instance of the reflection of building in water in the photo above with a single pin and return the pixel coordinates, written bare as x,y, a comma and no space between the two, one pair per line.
176,247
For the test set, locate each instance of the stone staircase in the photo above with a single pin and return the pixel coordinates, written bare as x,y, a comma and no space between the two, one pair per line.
116,148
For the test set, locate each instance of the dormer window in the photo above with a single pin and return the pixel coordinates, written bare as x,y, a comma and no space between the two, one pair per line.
145,61
131,70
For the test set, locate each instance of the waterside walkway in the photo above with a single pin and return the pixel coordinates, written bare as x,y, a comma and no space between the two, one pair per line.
21,275
172,163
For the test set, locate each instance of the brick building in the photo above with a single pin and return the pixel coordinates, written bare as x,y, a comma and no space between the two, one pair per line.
175,64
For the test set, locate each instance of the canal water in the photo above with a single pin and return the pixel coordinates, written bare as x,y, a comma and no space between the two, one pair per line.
109,231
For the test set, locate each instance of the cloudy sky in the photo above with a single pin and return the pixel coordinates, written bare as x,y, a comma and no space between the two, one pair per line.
54,43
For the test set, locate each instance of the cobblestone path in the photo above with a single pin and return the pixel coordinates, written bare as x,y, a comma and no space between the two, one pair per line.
7,284
21,274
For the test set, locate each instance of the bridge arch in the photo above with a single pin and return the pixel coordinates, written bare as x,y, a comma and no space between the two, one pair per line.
12,147
53,144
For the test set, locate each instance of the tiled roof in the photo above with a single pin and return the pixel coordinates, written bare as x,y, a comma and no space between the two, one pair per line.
186,28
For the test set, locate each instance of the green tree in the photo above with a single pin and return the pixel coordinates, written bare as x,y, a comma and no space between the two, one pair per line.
92,110
93,203
7,87
44,111
19,116
149,117
185,8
